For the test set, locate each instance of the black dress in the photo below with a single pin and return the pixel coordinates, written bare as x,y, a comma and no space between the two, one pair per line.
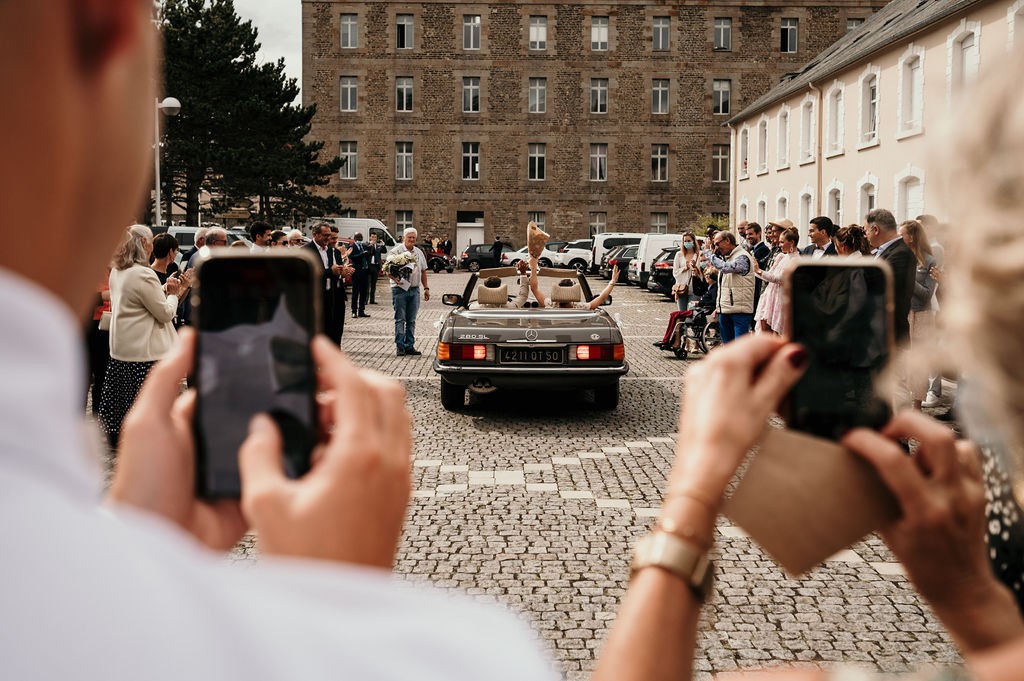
1005,534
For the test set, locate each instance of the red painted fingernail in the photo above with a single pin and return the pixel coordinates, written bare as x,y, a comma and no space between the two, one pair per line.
798,358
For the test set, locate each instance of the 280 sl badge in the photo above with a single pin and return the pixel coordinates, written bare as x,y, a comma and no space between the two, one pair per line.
473,336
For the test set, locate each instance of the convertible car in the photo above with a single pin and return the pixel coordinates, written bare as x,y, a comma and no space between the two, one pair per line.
483,348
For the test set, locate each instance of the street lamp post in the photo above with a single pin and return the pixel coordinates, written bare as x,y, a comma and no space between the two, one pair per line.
170,107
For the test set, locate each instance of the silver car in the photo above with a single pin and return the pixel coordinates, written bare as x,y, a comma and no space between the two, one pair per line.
483,349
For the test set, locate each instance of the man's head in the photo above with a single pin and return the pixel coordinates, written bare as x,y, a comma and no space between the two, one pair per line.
259,232
216,237
295,238
566,292
753,233
880,227
358,236
409,237
278,238
373,238
493,292
200,237
332,236
741,227
820,231
321,234
723,243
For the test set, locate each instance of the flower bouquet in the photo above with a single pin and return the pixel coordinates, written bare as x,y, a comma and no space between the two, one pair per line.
535,239
399,265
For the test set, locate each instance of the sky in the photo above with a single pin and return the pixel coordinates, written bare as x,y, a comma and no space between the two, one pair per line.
279,23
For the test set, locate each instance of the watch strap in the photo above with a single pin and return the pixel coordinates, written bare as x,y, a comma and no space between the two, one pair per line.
682,558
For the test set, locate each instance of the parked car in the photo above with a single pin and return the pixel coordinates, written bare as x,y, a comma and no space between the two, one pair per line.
349,227
546,258
575,254
649,247
437,260
662,279
185,235
483,350
620,256
477,256
605,241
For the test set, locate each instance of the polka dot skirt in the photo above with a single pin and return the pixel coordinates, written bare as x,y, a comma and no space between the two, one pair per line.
121,386
1005,526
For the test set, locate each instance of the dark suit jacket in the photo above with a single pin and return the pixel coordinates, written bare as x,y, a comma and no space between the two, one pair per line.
378,253
829,250
761,253
904,270
333,258
358,256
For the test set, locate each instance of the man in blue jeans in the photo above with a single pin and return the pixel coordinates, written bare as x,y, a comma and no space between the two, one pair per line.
405,293
735,286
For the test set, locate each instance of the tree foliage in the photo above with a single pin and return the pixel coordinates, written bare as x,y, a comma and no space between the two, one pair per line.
238,134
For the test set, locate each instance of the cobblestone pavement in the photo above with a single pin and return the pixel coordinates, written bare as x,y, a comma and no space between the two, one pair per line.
533,499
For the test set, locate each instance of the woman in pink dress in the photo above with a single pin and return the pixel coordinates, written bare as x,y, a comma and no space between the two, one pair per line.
769,316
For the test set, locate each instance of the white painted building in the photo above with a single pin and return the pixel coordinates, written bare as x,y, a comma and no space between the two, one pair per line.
852,130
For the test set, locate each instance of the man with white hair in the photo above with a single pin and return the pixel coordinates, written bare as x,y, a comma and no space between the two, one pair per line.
406,282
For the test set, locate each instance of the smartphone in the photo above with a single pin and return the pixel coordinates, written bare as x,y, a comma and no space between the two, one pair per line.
255,315
841,310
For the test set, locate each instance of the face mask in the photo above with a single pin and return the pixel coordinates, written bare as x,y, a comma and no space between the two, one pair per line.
688,245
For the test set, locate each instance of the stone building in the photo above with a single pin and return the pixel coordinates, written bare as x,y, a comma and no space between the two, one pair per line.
471,118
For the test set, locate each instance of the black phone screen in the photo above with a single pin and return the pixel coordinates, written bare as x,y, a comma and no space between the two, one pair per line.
256,316
841,314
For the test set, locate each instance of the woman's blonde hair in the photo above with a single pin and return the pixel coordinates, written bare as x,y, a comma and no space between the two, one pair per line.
918,240
132,249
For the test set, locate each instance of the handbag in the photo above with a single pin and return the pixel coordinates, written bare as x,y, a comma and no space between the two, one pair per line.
105,318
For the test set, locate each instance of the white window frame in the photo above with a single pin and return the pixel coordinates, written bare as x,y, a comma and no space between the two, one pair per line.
660,89
600,29
661,34
599,162
853,23
471,155
1014,21
742,209
351,100
782,204
599,87
762,209
404,93
720,164
864,140
472,32
536,167
958,73
538,33
471,85
598,222
864,206
762,145
659,223
403,160
835,194
537,95
743,161
722,39
659,162
806,210
349,38
537,216
808,125
910,92
794,30
783,133
405,31
349,151
403,220
835,120
900,183
724,102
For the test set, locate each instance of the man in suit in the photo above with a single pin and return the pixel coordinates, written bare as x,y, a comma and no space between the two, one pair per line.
496,248
357,258
820,231
332,278
446,245
375,252
759,249
882,232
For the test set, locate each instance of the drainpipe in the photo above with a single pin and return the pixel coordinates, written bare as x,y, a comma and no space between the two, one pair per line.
733,177
818,148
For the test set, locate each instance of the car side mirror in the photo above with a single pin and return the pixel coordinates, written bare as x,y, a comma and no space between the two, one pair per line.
607,301
453,299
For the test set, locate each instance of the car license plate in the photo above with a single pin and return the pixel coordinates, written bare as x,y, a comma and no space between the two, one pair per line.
533,355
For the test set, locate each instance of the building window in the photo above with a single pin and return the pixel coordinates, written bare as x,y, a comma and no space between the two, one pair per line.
471,31
788,35
807,132
598,95
403,32
660,32
599,34
538,95
835,121
869,109
349,30
743,210
835,205
659,223
744,152
349,93
965,59
598,162
536,216
537,155
783,138
598,223
659,163
762,145
403,160
470,160
723,34
910,200
403,220
471,95
806,203
868,199
911,94
350,161
721,93
720,163
762,211
403,93
538,33
782,207
659,96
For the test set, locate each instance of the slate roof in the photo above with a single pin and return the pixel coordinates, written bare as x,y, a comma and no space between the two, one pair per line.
893,24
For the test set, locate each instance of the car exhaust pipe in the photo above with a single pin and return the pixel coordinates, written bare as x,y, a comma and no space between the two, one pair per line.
482,386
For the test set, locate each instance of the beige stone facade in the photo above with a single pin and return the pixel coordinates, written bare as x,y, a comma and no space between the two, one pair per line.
626,135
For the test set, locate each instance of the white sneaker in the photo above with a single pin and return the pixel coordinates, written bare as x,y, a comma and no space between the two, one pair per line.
930,400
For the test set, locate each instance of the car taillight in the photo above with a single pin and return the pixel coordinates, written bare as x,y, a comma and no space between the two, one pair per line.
604,352
463,351
613,261
663,266
465,254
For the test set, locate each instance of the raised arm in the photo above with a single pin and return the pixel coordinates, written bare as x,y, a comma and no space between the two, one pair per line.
535,284
603,296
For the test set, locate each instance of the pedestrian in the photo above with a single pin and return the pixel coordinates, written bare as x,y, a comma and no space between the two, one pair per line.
684,266
770,314
446,246
259,233
406,282
922,317
357,259
376,252
496,249
295,238
278,239
98,344
330,272
736,279
820,230
883,235
165,250
850,241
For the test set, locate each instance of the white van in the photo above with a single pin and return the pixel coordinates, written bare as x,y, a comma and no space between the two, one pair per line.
605,241
647,250
348,227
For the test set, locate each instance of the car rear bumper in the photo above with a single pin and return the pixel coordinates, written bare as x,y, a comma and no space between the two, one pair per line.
548,377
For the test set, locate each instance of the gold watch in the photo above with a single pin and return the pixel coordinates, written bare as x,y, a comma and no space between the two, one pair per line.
682,558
